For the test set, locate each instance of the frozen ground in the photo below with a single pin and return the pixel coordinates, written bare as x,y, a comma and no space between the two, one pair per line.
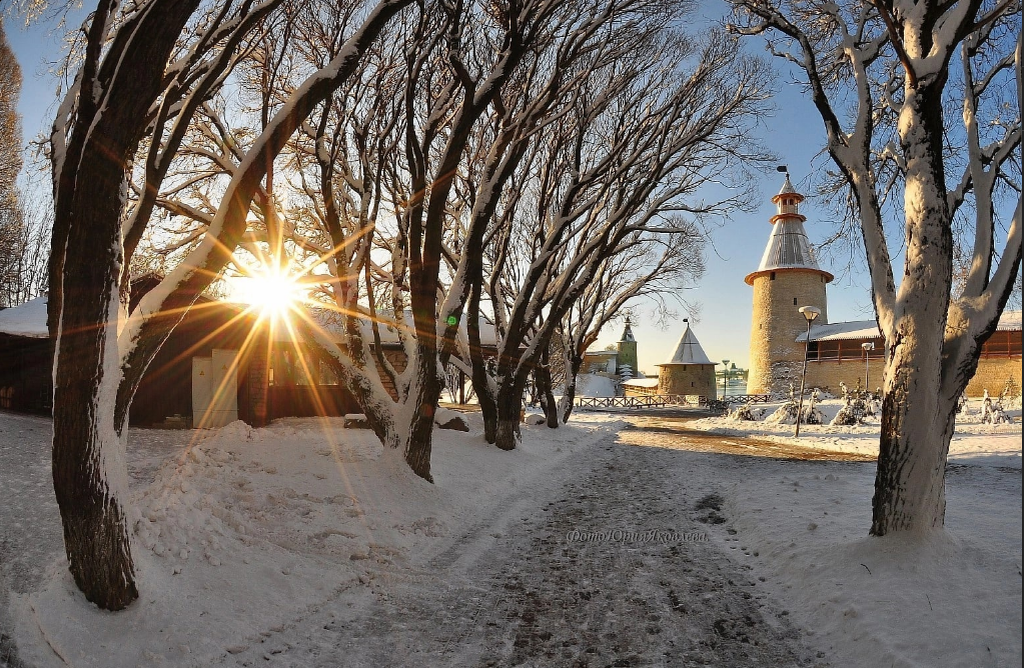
304,545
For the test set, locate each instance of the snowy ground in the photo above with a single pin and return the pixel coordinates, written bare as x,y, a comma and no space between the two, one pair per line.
304,545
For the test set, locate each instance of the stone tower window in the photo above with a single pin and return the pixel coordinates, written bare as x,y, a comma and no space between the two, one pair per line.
773,276
794,301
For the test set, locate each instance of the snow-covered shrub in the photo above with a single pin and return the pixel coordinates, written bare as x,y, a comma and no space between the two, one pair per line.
744,414
812,415
784,414
845,417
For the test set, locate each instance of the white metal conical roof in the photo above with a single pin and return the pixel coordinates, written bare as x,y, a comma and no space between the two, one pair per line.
688,350
788,246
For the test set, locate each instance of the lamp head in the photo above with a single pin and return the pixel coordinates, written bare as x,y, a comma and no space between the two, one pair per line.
810,312
870,345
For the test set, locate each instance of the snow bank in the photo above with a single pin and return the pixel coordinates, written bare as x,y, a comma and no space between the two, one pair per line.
952,599
593,385
998,445
247,529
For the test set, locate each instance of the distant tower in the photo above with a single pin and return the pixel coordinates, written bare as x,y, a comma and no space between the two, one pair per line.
626,350
787,278
688,371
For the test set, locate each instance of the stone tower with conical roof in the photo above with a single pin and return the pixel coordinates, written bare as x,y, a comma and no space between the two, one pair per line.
626,349
688,371
787,278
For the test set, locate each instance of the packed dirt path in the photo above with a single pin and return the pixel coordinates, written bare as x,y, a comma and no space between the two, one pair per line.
566,572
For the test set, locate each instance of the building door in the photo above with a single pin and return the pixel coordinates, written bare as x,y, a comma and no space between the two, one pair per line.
215,389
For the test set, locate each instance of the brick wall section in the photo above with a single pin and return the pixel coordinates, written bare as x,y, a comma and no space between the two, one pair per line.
688,379
991,375
777,322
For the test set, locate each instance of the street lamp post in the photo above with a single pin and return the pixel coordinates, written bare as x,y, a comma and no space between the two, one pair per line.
809,313
867,348
725,379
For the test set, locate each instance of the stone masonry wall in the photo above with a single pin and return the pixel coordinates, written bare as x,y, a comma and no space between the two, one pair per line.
688,379
992,375
777,322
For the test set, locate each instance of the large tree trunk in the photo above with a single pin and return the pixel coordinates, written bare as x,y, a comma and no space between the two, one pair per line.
572,369
917,425
542,378
917,418
89,470
509,409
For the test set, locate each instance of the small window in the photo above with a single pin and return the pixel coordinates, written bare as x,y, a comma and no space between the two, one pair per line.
693,384
794,301
773,276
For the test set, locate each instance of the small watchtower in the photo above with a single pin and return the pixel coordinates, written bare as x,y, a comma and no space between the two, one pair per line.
787,278
626,349
688,371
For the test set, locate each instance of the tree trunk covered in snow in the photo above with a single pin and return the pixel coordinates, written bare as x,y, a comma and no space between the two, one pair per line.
89,472
509,415
898,152
574,363
542,379
909,485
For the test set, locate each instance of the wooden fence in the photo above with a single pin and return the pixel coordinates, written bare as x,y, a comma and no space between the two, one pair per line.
662,400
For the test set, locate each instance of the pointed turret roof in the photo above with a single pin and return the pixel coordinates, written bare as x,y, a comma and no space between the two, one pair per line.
627,333
788,246
788,189
688,350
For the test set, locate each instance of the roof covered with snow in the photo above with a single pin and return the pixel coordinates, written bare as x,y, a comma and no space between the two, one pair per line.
838,331
688,350
641,382
27,320
1009,321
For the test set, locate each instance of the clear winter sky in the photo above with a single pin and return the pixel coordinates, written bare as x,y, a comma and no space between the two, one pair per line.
794,133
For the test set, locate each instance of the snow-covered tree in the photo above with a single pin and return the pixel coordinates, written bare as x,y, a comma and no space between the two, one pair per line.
143,70
637,140
921,107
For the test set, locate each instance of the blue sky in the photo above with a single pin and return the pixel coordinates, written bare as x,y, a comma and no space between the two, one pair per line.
794,133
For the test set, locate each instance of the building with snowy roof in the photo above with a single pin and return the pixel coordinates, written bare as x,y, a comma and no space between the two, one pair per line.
688,371
220,363
789,278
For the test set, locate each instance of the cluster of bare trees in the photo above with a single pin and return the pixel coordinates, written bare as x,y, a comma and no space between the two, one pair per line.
427,166
24,226
531,164
921,104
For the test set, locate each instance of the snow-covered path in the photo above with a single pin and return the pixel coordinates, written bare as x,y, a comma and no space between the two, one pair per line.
539,557
524,586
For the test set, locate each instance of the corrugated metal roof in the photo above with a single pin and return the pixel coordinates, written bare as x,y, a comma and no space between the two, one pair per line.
688,350
1009,321
838,331
788,248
